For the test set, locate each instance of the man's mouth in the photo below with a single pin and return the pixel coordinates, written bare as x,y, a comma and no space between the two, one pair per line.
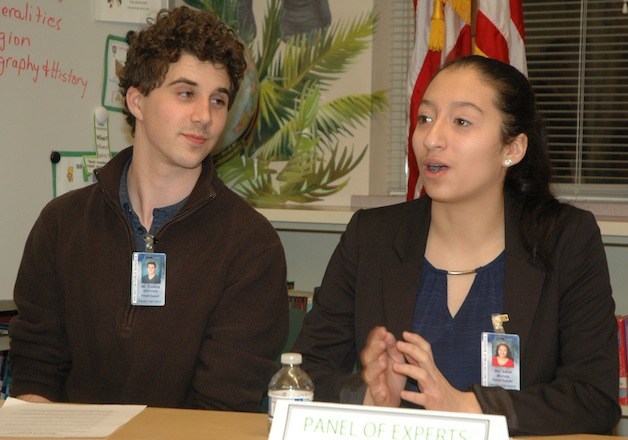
196,139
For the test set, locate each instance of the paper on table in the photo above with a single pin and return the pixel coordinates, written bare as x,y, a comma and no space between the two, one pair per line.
24,419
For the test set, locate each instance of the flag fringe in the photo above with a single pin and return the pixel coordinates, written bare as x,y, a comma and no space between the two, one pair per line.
462,8
437,27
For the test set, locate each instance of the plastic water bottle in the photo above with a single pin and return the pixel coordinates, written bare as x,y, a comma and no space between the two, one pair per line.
289,383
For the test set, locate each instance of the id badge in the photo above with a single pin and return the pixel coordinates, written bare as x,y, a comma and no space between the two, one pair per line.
148,279
500,360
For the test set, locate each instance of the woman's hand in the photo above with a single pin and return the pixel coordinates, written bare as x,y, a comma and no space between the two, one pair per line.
436,393
378,357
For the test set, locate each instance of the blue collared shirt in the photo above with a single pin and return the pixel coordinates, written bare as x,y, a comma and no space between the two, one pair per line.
160,215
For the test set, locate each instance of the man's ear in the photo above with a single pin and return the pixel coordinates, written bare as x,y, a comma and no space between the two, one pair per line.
515,151
134,102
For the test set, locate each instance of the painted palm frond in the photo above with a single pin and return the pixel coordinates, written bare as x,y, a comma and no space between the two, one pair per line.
336,168
276,106
260,191
305,178
324,54
339,116
271,38
280,145
319,56
335,118
243,170
207,5
225,9
302,162
296,152
321,177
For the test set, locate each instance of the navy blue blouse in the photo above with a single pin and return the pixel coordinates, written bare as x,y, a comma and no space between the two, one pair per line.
456,340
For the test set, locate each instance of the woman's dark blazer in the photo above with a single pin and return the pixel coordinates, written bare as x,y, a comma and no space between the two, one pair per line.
564,317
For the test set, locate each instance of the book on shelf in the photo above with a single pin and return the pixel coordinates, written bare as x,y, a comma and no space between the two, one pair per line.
5,367
5,375
300,299
5,317
622,322
3,356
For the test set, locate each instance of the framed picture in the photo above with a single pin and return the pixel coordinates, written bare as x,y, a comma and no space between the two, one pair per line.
127,11
115,58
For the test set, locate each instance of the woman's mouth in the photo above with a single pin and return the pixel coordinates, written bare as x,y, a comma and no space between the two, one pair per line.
434,168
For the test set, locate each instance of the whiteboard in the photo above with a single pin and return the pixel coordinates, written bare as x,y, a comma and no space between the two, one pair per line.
52,56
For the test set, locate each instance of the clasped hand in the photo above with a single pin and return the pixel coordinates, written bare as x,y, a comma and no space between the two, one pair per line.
387,365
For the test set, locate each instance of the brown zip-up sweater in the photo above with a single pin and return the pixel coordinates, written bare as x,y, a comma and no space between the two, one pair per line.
77,337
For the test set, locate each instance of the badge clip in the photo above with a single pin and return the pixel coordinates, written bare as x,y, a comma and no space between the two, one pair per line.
498,322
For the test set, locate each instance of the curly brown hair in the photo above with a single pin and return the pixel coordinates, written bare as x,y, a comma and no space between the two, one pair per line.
171,33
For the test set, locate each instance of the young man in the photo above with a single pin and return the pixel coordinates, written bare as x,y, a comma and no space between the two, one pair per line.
208,334
151,273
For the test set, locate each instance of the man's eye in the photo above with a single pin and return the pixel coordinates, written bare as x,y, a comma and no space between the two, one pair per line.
218,102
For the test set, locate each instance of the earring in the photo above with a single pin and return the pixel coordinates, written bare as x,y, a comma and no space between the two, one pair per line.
507,162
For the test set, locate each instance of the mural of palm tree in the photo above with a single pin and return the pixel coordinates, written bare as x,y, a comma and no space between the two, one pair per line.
294,152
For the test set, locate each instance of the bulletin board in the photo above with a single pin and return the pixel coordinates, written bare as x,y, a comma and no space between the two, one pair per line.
69,171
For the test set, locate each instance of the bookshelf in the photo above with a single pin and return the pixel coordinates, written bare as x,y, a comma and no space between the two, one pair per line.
6,305
300,299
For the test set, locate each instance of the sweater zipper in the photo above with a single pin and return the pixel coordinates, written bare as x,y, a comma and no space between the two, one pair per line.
129,312
130,309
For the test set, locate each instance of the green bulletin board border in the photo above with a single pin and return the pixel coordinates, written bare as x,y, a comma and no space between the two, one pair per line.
56,157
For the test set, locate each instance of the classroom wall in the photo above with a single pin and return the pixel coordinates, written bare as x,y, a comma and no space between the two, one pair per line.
40,113
51,75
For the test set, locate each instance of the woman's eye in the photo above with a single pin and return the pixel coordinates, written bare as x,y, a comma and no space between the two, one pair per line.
423,119
462,122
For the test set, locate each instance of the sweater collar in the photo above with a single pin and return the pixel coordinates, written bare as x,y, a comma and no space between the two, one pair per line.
205,189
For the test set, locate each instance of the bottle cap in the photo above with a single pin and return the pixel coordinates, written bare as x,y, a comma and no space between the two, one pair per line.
291,358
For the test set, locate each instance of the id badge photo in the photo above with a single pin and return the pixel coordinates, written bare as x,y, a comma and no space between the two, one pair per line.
148,283
500,356
500,360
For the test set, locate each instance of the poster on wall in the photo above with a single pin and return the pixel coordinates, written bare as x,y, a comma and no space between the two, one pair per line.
115,58
69,171
309,76
127,11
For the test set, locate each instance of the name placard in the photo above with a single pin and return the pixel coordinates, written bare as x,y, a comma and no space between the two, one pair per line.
323,421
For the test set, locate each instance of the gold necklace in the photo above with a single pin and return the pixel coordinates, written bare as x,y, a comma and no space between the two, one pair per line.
461,272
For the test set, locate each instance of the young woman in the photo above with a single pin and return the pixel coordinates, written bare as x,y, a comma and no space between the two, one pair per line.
411,287
502,357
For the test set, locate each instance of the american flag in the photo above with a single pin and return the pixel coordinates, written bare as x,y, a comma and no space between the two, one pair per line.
442,33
